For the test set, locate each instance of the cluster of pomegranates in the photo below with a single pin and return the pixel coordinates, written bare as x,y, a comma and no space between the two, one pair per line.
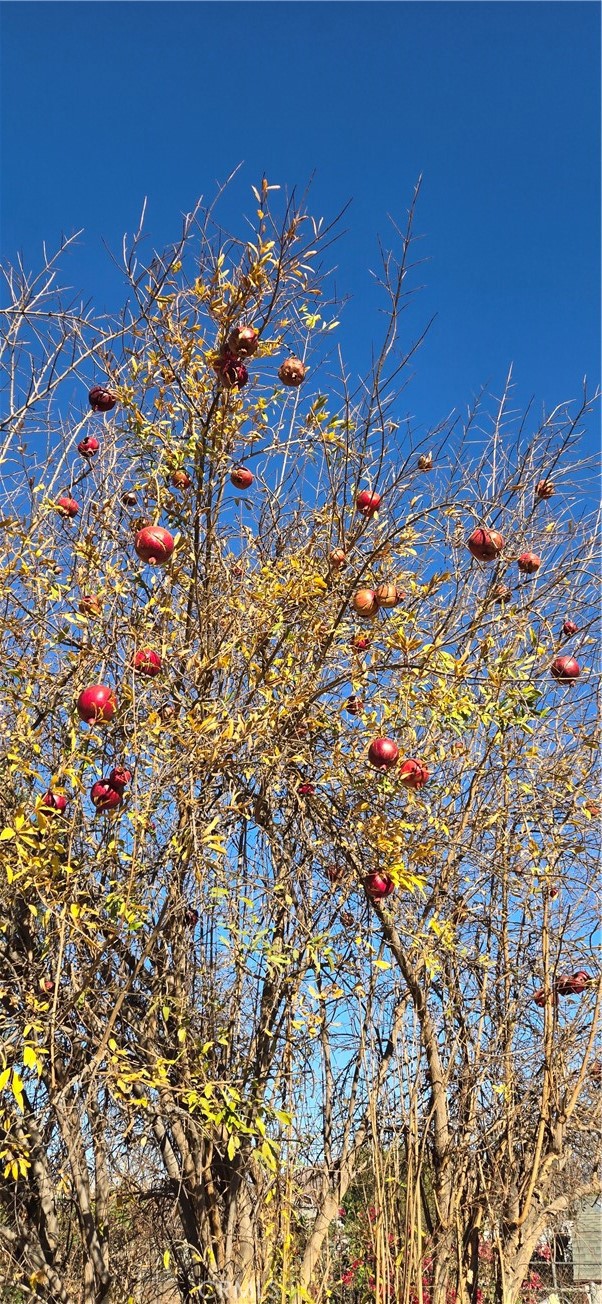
229,362
383,754
107,794
565,985
487,545
367,602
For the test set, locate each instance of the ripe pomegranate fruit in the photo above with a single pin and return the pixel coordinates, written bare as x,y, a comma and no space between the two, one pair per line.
243,341
365,603
88,446
147,662
306,790
529,563
574,985
389,595
544,489
569,628
500,593
154,545
54,802
180,479
360,643
230,372
565,669
485,545
129,498
101,400
347,919
413,773
96,704
367,502
90,605
120,777
291,372
241,477
338,559
593,808
192,917
67,506
378,885
541,997
425,462
104,796
383,753
354,705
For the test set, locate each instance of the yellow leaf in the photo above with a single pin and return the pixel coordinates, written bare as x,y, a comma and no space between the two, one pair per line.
6,835
30,1058
166,1259
17,1089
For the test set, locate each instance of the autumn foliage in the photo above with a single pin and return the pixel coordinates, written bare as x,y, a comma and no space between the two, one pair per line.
290,877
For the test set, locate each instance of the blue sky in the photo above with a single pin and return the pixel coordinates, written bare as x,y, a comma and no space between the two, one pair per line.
497,105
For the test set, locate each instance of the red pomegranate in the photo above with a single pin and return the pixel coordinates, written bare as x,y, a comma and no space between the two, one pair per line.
230,372
147,662
180,479
88,446
569,628
378,885
389,595
54,802
354,705
192,917
541,997
574,985
413,774
383,753
565,669
96,704
90,605
425,462
120,777
367,502
529,563
338,559
360,643
101,400
241,477
291,372
365,603
544,489
154,545
485,545
243,341
306,790
67,506
104,796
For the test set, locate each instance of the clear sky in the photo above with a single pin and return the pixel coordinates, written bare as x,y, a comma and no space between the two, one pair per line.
497,104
